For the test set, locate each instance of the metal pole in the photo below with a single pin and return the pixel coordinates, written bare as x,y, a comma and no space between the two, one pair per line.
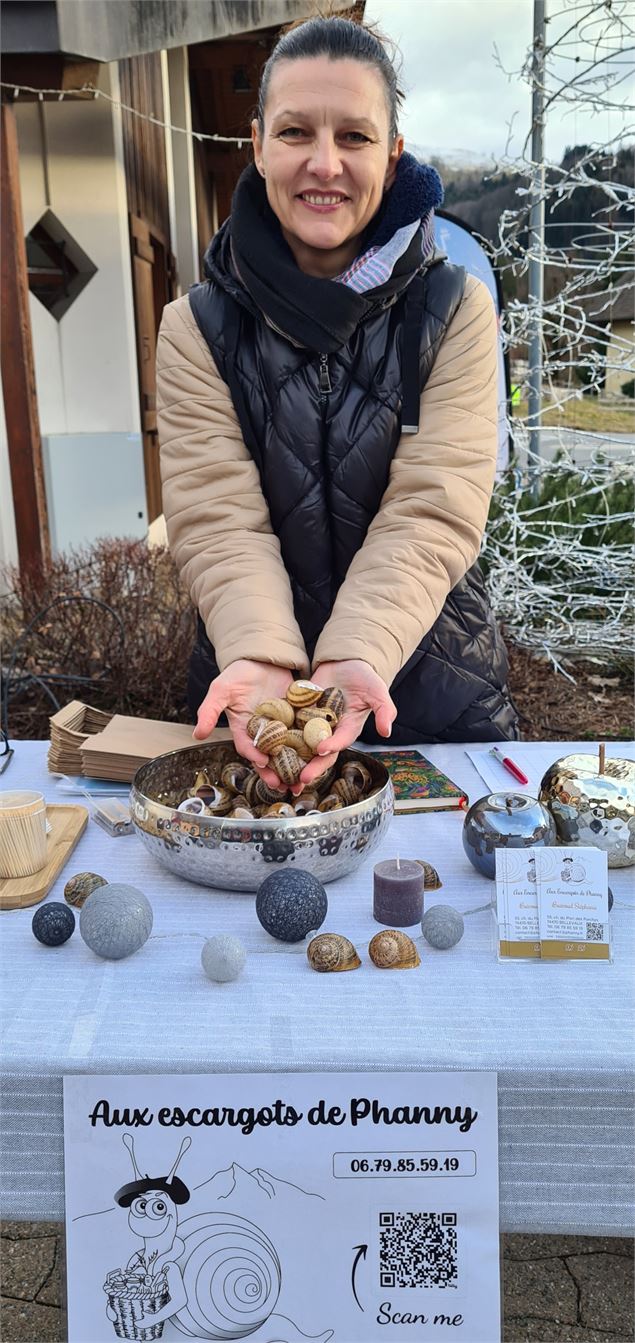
536,241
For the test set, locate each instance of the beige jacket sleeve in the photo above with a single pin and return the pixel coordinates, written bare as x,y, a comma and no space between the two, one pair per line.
218,523
429,527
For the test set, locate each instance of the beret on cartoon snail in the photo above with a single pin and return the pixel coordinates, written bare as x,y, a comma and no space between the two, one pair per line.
167,1184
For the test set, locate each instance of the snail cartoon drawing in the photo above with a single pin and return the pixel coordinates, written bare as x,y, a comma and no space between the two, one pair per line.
215,1275
572,871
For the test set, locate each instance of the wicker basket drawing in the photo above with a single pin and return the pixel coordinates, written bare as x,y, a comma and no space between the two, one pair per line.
131,1296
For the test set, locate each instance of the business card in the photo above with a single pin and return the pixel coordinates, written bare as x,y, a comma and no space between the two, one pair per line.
573,903
517,903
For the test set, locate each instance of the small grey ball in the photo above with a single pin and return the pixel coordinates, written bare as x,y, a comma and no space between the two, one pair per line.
115,921
223,958
442,926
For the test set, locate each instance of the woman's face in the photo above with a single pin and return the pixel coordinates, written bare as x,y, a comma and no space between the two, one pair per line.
325,156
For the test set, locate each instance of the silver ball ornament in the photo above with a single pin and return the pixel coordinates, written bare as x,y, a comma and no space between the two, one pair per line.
115,921
223,957
442,926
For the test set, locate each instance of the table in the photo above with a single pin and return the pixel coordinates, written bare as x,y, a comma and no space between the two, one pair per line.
559,1035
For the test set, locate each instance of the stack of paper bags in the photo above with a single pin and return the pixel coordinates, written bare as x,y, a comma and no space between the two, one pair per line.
70,728
113,746
128,743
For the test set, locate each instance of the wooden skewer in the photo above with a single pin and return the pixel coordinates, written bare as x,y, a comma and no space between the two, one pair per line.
602,757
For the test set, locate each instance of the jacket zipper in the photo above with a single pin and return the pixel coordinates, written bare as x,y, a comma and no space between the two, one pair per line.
325,380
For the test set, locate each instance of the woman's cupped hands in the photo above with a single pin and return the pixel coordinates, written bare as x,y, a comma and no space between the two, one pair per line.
245,684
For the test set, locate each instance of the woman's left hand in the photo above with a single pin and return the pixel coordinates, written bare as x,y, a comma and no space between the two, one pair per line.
364,692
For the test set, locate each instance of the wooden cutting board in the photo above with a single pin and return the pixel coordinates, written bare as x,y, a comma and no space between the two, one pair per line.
67,823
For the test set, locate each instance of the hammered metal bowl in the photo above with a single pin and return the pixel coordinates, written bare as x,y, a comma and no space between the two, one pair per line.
237,855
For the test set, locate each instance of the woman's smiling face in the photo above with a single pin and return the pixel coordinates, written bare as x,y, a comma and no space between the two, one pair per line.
326,156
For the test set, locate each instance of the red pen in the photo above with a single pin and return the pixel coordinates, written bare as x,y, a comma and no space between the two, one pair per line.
509,764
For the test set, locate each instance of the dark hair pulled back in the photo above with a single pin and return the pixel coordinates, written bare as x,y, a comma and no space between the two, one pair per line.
339,39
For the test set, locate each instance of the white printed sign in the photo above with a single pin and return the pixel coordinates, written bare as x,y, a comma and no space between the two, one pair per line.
281,1208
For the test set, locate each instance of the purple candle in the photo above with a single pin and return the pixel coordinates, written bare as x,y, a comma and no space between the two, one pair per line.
398,892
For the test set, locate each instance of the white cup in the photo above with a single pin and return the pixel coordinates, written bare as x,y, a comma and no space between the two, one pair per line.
23,831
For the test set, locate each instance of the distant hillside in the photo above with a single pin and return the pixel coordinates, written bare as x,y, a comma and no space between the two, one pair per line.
480,199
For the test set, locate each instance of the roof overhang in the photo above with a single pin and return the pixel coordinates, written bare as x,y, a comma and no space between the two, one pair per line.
113,29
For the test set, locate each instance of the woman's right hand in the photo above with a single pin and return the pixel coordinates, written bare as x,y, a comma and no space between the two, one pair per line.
237,691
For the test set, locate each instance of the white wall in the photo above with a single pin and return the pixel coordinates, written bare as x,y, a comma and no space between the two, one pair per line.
85,365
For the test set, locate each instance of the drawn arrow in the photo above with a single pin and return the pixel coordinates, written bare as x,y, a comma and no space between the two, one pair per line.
360,1255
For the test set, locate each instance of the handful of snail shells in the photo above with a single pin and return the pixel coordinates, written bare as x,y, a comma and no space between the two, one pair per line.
290,730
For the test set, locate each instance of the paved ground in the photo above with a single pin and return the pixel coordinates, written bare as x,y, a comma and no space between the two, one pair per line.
556,1289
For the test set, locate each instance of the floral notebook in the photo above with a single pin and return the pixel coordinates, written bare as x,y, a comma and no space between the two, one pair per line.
419,785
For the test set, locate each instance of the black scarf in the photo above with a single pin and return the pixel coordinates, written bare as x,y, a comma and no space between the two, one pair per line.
318,314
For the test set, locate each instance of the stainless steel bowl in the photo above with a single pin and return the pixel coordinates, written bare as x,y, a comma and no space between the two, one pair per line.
237,855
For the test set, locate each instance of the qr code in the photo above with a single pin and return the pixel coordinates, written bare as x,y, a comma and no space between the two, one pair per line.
418,1249
594,931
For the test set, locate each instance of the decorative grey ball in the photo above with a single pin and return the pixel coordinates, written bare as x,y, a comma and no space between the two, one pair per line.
53,924
291,904
442,926
223,958
115,921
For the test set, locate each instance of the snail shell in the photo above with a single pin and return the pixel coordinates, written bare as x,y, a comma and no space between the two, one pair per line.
295,738
431,879
270,736
251,796
325,781
356,773
267,795
306,802
278,709
280,809
304,716
329,952
222,803
393,950
287,764
332,698
302,693
242,813
231,1275
234,776
315,731
330,803
348,792
255,724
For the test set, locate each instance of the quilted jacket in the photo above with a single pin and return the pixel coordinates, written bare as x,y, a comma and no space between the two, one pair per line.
309,528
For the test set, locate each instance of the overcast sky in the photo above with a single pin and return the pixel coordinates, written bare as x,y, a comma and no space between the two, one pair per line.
458,100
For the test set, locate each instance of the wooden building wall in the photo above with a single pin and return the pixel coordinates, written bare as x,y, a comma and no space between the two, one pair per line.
143,143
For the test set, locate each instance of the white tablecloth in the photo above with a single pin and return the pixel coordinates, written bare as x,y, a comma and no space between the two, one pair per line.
559,1035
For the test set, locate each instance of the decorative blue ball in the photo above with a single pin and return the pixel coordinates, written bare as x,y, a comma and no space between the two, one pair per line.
223,958
115,921
442,926
53,924
291,904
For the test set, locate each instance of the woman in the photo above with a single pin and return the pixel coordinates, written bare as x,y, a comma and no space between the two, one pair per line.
327,416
